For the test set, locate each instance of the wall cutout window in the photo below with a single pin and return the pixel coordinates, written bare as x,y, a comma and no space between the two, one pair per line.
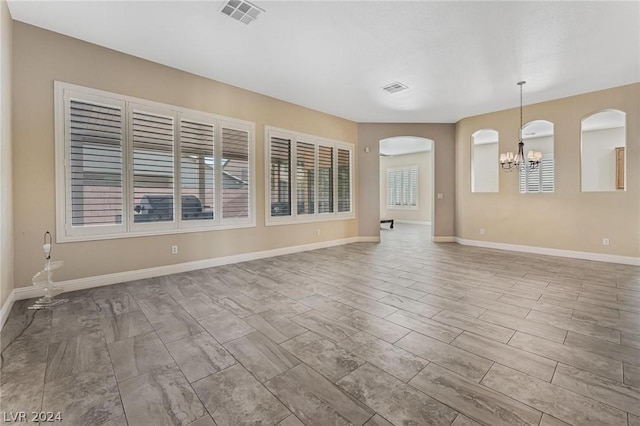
484,161
603,141
402,188
538,136
129,167
309,178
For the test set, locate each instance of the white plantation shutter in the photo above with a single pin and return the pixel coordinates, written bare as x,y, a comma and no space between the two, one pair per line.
235,173
398,192
547,173
344,180
533,180
402,187
131,167
539,180
325,179
305,177
391,193
280,176
412,187
197,175
153,166
95,189
308,178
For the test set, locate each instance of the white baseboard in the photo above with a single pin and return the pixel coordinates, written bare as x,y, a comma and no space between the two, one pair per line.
120,277
600,257
443,239
413,222
368,240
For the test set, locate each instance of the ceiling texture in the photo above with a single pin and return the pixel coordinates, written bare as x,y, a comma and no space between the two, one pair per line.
458,58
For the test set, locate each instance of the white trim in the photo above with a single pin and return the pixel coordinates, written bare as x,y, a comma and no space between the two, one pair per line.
600,257
128,228
443,239
6,308
120,277
318,141
368,240
413,222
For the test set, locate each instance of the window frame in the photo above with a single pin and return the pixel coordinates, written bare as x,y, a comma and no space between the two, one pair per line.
407,169
317,142
66,232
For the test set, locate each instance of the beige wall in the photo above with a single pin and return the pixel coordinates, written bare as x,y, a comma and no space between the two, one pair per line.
40,57
6,202
485,171
369,136
567,219
425,197
598,156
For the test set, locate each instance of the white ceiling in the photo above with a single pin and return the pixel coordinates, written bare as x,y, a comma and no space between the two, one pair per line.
401,145
458,58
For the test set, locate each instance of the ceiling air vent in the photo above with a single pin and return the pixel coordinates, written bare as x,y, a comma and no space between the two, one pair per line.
395,87
241,10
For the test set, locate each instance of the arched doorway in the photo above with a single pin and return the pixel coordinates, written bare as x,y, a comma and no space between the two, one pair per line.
407,182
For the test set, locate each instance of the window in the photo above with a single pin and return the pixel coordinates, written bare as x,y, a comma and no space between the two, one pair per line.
402,188
540,179
602,153
484,161
236,173
125,166
538,136
344,180
325,179
196,168
306,177
309,178
95,157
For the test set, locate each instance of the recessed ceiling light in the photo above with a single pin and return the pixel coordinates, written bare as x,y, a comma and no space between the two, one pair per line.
241,10
395,87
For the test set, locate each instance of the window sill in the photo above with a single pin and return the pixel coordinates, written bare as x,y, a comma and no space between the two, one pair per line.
62,238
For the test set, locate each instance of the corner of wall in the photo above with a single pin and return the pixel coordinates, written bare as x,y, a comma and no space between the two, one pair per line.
6,156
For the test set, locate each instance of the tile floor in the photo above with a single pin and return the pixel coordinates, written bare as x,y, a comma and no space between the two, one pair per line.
402,332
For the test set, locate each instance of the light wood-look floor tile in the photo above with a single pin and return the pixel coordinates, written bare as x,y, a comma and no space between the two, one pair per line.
395,400
261,356
457,360
518,359
534,328
233,396
552,399
576,326
576,357
315,400
600,388
474,400
326,357
494,337
483,328
392,359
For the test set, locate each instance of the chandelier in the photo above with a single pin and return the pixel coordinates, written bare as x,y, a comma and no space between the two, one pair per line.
509,162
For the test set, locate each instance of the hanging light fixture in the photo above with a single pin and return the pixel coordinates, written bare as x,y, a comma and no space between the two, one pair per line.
509,162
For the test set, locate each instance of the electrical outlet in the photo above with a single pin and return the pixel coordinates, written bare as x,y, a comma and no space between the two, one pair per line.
481,231
605,241
174,249
318,232
440,196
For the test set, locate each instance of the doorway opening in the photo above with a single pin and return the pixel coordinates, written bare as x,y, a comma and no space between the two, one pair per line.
407,184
